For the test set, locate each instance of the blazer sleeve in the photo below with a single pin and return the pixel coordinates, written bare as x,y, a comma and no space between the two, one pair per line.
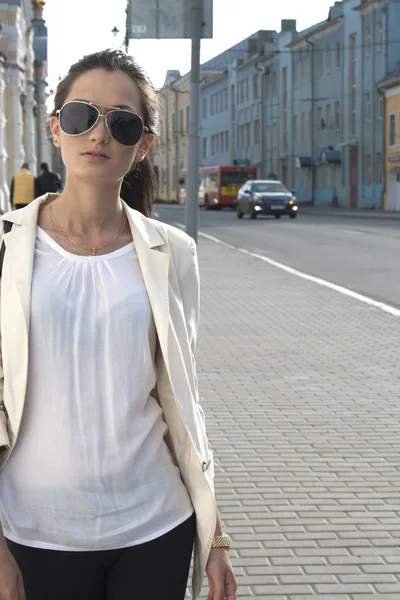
189,281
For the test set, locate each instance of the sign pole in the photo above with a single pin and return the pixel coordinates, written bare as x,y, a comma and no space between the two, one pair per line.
192,184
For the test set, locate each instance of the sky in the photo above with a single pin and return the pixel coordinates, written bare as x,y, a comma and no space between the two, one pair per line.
78,27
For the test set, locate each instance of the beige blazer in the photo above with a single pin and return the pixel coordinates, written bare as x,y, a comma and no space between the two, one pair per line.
168,261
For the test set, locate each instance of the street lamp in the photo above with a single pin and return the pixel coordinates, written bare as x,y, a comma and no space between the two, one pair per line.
261,70
115,32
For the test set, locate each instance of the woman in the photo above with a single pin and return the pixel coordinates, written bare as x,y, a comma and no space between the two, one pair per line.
106,477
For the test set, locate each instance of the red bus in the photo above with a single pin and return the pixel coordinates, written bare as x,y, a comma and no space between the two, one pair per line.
218,186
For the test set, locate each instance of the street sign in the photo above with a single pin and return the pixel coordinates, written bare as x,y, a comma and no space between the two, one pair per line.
166,19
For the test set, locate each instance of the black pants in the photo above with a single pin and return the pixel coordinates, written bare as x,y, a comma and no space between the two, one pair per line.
156,570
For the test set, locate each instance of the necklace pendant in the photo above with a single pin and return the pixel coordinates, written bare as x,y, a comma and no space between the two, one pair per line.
93,251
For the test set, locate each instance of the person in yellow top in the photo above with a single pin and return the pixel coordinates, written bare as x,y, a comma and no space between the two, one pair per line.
24,188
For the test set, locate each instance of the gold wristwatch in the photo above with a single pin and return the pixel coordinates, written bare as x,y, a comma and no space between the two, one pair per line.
221,541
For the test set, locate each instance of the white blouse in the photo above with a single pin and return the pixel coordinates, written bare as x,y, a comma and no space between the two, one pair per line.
90,469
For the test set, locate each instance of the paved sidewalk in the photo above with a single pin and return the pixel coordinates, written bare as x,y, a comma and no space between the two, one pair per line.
300,387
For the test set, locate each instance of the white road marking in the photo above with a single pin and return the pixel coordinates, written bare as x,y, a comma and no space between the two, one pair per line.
387,308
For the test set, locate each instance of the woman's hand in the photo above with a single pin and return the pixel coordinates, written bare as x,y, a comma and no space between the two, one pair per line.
221,579
11,584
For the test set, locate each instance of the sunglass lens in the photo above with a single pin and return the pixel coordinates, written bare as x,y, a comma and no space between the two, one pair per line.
77,117
125,127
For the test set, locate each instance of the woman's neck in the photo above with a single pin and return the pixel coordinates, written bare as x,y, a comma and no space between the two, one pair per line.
87,209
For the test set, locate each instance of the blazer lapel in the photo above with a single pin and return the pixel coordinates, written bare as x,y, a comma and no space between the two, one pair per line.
15,318
154,265
20,248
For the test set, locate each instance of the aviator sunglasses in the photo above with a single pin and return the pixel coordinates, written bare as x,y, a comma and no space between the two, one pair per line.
78,117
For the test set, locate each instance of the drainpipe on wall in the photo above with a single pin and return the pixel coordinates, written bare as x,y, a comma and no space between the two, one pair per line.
384,153
313,172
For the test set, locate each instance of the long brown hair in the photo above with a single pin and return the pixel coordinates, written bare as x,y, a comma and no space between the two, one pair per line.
139,185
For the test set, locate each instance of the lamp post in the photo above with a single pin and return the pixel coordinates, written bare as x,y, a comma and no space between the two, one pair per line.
261,70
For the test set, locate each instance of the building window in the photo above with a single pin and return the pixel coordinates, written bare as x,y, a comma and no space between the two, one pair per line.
392,130
337,56
368,166
319,119
274,84
294,128
204,147
379,36
248,134
304,68
328,60
328,117
296,72
378,168
381,105
352,85
174,176
310,123
319,61
246,88
367,105
204,108
226,99
337,117
173,124
303,127
256,91
226,141
367,41
257,130
187,117
212,145
274,134
181,123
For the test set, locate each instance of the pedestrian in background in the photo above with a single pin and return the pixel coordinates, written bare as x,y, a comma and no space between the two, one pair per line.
48,182
109,485
23,188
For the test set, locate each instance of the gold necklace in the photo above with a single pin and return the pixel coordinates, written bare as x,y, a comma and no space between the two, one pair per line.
74,244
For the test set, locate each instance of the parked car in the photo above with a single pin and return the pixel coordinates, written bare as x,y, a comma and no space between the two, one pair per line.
266,197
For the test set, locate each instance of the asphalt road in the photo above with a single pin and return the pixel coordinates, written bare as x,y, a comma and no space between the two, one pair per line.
359,253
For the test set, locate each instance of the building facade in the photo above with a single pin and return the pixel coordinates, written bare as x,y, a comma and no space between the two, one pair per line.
171,156
23,70
307,106
390,87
